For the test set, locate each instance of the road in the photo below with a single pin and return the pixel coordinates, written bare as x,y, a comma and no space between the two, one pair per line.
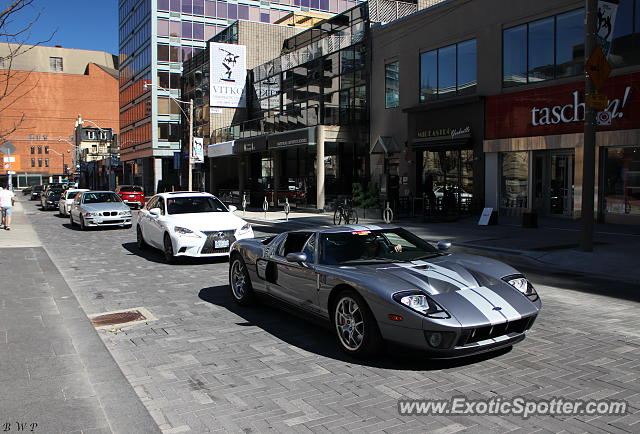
207,365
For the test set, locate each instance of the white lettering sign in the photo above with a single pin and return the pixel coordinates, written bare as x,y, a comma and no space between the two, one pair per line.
228,75
574,111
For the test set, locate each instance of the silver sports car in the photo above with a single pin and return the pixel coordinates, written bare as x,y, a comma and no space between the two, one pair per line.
383,283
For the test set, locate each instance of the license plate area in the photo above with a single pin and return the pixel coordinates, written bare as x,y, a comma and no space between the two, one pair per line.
221,244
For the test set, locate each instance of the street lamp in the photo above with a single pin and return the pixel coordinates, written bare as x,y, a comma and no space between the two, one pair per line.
62,155
75,153
190,117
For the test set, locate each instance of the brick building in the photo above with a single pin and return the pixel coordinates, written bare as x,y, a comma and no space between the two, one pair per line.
48,88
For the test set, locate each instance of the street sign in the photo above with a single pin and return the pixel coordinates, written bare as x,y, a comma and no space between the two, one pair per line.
11,172
604,118
598,101
598,68
8,148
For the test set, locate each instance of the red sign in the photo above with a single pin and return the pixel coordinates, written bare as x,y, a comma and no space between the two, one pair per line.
560,109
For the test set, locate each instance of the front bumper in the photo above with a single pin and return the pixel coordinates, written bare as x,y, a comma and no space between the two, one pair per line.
460,341
108,221
133,202
201,247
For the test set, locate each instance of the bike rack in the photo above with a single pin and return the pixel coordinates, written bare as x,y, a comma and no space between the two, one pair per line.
265,207
244,204
287,208
387,214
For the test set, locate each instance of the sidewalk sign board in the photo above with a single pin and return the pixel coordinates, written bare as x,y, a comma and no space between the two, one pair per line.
485,216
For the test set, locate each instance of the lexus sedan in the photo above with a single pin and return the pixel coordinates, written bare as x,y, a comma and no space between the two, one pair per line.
65,202
189,224
99,208
382,283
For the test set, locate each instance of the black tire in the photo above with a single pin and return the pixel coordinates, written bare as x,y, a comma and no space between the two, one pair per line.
71,220
83,227
337,217
238,273
140,242
353,216
360,341
168,250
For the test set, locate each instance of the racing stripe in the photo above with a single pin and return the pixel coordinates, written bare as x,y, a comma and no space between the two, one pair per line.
481,303
433,274
507,310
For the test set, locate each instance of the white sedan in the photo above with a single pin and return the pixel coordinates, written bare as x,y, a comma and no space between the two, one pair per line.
66,200
189,224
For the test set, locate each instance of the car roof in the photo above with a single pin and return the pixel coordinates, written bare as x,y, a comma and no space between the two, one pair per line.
185,194
97,191
346,228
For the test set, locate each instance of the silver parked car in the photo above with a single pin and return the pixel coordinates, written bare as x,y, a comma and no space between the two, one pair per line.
383,283
99,208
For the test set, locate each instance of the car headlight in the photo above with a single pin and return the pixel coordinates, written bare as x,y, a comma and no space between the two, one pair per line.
421,303
521,283
91,214
245,228
128,213
184,231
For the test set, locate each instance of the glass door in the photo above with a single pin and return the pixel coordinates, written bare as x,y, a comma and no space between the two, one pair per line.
561,184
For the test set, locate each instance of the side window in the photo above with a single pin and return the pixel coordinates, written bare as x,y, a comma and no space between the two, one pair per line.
78,198
152,203
310,249
294,243
160,205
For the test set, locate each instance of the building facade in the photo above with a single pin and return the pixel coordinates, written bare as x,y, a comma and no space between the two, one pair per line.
306,136
156,36
487,103
48,88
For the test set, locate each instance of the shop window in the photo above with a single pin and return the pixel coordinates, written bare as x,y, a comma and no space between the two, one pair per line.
622,180
544,49
514,179
448,71
392,84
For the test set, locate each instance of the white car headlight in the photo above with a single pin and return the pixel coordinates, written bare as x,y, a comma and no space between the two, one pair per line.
91,214
521,283
244,229
128,213
421,303
184,232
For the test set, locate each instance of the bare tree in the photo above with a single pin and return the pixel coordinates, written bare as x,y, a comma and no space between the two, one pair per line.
14,37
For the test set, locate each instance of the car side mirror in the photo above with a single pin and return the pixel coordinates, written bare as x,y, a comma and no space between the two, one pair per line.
296,257
444,245
154,212
232,208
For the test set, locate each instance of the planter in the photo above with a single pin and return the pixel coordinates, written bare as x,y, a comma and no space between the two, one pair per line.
369,213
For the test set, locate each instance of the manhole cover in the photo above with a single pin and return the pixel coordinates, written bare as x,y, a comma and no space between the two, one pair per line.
121,317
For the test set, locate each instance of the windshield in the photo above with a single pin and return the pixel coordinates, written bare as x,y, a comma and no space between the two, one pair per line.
194,204
71,194
385,245
100,197
131,188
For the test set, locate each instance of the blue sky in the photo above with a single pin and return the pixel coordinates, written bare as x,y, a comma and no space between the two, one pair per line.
85,24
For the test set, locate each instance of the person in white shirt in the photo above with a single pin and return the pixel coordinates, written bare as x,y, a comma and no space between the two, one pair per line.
7,200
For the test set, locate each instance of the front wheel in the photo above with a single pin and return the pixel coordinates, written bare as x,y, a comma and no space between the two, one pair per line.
71,222
240,282
353,216
337,217
140,242
168,250
83,227
355,326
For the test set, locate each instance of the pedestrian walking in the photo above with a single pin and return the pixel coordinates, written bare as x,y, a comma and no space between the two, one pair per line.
7,200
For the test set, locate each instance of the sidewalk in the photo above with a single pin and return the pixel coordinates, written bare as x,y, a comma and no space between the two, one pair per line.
554,244
56,373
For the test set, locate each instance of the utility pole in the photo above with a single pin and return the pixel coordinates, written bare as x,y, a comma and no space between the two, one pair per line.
190,165
589,149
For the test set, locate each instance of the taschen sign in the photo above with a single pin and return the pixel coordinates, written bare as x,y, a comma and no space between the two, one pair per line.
228,74
560,109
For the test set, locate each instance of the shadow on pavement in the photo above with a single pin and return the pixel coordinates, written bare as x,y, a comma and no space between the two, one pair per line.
155,255
288,325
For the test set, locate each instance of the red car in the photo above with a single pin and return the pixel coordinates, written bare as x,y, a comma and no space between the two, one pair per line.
132,195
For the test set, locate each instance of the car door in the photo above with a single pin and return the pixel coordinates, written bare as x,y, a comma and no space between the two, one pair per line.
143,219
75,207
294,282
154,226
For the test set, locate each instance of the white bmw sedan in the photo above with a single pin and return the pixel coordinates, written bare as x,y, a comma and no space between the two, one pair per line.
189,224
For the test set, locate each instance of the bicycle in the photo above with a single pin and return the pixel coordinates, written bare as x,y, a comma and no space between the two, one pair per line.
345,212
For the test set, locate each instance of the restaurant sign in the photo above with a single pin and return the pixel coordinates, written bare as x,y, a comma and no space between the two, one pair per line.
445,133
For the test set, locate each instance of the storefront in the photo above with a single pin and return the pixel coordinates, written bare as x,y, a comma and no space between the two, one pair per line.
534,151
446,139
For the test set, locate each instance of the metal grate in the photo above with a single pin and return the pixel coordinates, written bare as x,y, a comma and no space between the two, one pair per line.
212,237
477,334
110,213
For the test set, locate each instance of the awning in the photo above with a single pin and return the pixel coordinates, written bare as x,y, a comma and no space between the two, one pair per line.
220,149
385,145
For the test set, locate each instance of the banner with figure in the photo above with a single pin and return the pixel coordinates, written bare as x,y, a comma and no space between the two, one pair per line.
228,75
606,20
197,154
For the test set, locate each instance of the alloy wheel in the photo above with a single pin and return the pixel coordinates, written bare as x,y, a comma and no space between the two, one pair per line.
238,280
349,322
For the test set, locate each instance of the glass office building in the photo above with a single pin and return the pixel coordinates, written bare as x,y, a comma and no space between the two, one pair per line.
155,37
